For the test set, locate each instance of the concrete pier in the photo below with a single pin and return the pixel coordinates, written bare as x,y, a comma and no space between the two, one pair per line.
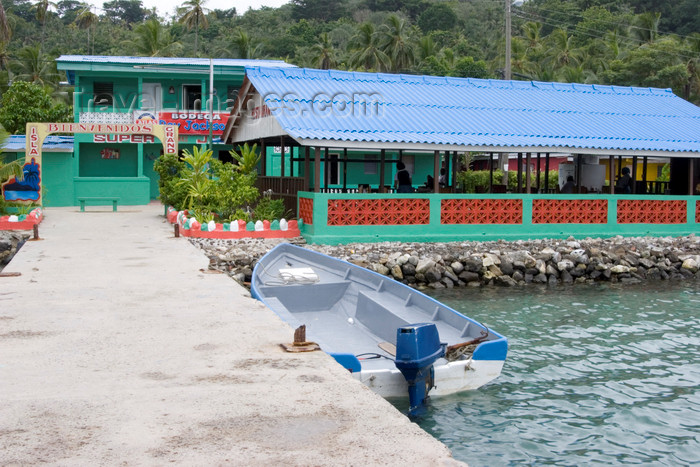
117,346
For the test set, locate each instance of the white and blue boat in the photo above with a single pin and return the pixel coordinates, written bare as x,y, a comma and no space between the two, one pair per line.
394,339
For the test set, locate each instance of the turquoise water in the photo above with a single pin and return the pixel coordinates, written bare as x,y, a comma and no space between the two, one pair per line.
595,375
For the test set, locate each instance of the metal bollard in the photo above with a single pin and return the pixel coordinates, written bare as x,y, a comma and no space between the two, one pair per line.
176,227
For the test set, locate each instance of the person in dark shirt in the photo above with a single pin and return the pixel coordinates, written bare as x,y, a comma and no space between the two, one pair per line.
402,180
569,185
624,183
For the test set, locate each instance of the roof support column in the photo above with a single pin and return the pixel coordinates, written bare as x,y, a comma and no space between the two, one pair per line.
644,174
634,175
546,172
263,157
528,173
307,164
317,169
520,172
282,157
490,172
691,176
326,169
345,170
382,159
436,172
539,171
579,169
611,169
455,167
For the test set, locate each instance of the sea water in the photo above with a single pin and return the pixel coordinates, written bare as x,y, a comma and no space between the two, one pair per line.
600,374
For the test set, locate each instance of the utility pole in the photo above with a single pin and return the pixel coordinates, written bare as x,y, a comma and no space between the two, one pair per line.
503,156
507,73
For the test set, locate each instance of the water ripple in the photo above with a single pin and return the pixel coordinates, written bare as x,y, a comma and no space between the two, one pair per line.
595,375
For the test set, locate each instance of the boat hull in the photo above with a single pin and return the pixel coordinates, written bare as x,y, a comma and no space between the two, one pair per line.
354,314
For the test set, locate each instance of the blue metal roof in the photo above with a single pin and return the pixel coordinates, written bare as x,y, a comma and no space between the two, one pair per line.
17,143
328,105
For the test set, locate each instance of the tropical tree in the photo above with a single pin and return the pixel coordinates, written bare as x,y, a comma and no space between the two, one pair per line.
34,66
561,51
366,53
324,53
193,15
87,20
42,10
25,102
646,26
241,46
151,39
396,42
5,31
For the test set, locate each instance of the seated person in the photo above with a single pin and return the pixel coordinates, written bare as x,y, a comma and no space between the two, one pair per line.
427,187
624,183
569,185
442,180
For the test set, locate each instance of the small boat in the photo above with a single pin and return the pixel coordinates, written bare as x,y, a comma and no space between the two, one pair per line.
394,339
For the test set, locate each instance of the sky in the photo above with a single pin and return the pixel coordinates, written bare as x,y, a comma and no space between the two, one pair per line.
166,8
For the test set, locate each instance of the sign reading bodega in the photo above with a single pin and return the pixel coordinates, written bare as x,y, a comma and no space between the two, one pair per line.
194,123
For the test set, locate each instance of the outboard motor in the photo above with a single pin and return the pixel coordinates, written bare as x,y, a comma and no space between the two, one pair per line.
417,348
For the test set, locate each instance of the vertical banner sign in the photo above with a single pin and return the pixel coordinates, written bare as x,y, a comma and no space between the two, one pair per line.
29,188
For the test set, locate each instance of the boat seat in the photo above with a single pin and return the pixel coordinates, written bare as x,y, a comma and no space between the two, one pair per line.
379,319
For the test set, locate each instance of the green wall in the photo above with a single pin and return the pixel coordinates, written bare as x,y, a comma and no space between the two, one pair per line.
93,165
319,232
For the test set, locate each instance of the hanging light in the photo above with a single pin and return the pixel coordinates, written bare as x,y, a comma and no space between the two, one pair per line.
171,90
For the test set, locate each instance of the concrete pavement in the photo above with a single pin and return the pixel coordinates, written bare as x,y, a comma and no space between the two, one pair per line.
116,347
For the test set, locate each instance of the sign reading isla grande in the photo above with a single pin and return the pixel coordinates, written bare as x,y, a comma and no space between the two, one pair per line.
29,189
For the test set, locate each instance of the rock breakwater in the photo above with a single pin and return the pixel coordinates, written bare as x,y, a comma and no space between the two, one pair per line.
10,242
500,263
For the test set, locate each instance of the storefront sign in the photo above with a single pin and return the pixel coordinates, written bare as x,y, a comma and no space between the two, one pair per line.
194,123
123,139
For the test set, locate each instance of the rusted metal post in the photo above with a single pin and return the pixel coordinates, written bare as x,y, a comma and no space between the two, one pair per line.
176,228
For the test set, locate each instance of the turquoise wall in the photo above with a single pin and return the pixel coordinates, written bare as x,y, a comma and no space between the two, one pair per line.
57,173
320,232
93,165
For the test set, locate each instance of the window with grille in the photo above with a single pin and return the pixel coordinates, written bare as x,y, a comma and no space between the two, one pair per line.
103,92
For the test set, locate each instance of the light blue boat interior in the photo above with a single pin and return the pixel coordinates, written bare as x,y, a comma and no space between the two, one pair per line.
350,310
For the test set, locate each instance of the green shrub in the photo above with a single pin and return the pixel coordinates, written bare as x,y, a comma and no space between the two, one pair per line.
172,193
269,209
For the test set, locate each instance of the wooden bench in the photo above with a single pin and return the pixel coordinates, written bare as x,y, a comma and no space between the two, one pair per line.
83,199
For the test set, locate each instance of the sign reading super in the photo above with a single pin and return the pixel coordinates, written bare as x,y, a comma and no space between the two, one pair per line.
194,123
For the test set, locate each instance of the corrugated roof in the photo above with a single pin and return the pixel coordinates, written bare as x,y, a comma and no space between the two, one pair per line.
331,106
125,60
17,143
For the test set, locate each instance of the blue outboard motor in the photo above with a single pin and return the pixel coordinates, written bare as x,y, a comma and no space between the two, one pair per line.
417,348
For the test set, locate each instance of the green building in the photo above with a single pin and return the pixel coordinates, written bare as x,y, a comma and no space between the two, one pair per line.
116,90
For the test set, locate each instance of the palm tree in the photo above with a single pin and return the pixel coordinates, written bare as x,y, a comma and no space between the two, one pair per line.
42,10
86,19
193,15
647,29
324,53
151,39
242,46
5,31
396,42
561,52
33,66
366,53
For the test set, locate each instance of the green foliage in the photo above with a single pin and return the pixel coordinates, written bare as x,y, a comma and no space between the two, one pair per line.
665,173
206,187
172,193
438,16
477,181
269,209
27,102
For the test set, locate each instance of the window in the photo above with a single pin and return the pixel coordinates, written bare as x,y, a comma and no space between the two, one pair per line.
103,92
192,97
371,164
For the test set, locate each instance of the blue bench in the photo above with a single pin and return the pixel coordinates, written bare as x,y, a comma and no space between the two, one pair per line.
83,199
